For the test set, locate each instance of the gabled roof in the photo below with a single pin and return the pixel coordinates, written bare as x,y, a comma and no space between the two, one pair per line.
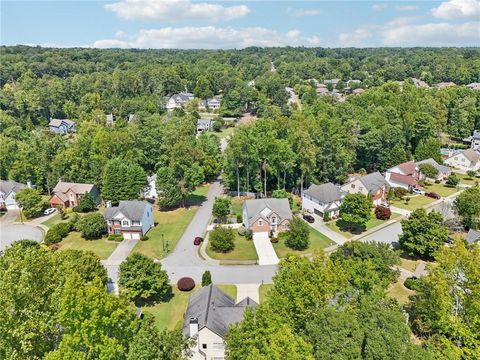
131,209
257,208
441,168
408,168
472,155
325,193
473,236
58,122
7,186
214,310
77,188
373,182
403,179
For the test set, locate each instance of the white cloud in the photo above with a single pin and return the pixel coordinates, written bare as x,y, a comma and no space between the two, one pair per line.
379,7
303,12
406,7
172,10
458,9
209,37
357,38
442,34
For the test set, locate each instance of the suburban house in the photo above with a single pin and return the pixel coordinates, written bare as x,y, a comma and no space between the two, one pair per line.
465,160
474,86
150,191
474,140
67,195
321,199
131,218
110,120
178,100
62,126
443,171
404,175
209,314
373,185
266,215
321,89
8,189
212,103
473,236
204,125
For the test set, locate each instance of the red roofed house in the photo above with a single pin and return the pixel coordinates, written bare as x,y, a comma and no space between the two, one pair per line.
404,175
67,195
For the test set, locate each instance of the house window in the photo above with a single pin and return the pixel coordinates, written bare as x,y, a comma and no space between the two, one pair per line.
456,158
360,188
462,160
136,223
204,346
352,186
285,226
260,223
274,220
125,223
118,231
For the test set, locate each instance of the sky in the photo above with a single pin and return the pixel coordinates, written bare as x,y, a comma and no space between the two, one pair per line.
209,24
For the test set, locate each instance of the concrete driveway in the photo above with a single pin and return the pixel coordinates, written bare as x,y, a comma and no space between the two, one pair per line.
263,246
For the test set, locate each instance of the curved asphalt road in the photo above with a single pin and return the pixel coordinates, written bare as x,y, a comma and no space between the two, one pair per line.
10,232
185,261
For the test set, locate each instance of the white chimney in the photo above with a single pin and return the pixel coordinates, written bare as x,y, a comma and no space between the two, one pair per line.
108,204
29,184
193,327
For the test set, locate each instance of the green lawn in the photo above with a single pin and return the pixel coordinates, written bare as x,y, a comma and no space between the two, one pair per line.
338,225
264,290
409,264
53,220
416,202
101,247
400,292
225,132
244,250
440,189
171,224
317,241
237,206
465,179
230,290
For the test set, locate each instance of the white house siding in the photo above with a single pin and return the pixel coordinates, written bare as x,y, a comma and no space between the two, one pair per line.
310,204
459,161
215,345
358,188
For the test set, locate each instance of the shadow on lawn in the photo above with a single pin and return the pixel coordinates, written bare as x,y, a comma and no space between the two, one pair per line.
195,200
349,227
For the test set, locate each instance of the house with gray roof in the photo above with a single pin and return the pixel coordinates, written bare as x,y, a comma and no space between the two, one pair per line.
266,215
373,185
473,236
131,218
465,160
443,171
8,190
212,103
323,199
68,194
209,314
62,126
179,100
474,140
204,125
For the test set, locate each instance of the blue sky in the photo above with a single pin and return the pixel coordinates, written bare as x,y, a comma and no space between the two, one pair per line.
238,24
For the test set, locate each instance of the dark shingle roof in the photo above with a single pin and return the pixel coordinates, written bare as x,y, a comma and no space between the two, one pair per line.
255,208
132,209
7,186
325,193
214,310
472,236
441,168
373,182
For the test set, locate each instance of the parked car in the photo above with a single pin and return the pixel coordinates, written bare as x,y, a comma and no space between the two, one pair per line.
418,191
433,195
309,218
49,211
197,240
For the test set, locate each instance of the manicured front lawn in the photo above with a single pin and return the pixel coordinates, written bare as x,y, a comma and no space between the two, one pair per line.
101,247
169,315
171,224
263,290
440,189
317,241
409,264
400,292
416,202
52,221
230,290
339,225
465,179
244,250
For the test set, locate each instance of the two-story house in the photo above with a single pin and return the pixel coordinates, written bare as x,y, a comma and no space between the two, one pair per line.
178,100
209,314
8,190
404,175
212,103
373,185
443,171
474,140
204,125
131,218
62,126
266,215
324,198
465,160
67,194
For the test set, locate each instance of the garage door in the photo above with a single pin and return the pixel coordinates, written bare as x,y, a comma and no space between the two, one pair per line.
127,236
318,212
136,236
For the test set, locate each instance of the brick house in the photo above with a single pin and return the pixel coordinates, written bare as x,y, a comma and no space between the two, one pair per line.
266,215
132,219
373,185
67,195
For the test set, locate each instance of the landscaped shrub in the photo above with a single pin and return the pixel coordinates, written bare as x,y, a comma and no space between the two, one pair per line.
452,180
206,278
239,218
92,226
437,181
400,192
144,238
57,232
221,239
249,234
382,213
241,231
185,284
411,283
326,216
116,237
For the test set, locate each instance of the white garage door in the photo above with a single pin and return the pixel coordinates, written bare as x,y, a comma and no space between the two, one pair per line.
136,236
127,236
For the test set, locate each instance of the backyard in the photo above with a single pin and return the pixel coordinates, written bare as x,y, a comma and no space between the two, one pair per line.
317,241
339,225
244,250
400,292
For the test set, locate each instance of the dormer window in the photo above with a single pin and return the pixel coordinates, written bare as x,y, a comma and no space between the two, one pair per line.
260,222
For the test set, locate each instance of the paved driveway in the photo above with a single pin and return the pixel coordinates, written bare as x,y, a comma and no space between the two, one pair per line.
9,233
263,246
